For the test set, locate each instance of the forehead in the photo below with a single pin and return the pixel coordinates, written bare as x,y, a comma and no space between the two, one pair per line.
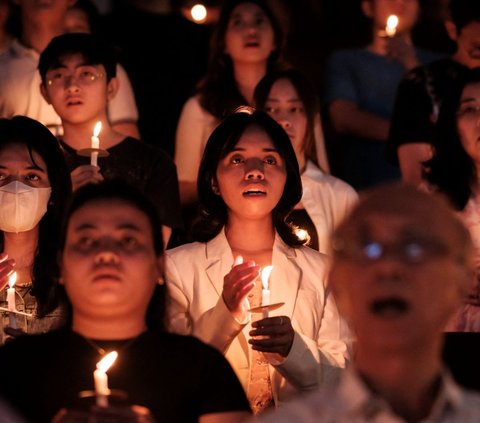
109,215
254,137
72,60
18,153
283,87
471,90
391,227
246,8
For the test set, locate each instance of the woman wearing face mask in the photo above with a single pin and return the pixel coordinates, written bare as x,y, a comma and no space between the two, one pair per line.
34,187
290,99
248,183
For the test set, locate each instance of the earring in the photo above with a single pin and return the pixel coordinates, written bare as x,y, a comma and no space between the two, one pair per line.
160,280
215,190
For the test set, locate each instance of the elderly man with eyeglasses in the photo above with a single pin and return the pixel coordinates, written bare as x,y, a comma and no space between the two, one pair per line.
402,262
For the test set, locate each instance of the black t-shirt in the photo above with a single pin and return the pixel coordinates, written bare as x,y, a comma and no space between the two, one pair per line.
418,100
178,378
144,166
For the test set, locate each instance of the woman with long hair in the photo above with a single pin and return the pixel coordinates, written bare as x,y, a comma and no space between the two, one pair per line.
34,189
454,171
290,99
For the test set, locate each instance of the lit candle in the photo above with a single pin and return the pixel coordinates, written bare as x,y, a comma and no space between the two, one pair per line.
101,379
12,308
95,143
391,27
199,13
266,291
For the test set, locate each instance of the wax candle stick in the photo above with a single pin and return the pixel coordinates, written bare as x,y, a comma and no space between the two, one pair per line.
101,379
391,27
12,308
266,288
95,144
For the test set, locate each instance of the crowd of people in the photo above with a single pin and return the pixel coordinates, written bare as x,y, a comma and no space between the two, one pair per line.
280,255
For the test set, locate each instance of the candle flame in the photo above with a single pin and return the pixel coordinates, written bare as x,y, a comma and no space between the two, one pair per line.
106,362
266,275
392,23
97,129
302,234
199,13
12,279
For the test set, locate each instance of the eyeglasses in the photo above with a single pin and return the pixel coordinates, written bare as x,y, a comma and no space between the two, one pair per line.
82,76
408,251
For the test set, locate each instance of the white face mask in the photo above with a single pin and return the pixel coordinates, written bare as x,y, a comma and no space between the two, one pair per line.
22,206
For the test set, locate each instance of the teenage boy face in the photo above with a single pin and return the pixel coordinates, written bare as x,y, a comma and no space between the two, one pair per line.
79,92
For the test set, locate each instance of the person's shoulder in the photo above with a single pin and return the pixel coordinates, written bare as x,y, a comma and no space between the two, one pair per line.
316,177
185,250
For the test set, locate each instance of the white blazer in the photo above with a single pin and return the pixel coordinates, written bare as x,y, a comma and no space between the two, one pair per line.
327,201
195,275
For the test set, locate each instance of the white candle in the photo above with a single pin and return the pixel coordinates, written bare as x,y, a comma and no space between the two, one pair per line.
11,300
391,27
266,291
95,143
101,379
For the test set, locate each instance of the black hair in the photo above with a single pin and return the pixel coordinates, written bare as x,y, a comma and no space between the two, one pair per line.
219,94
37,138
307,95
119,190
463,12
213,210
451,169
95,51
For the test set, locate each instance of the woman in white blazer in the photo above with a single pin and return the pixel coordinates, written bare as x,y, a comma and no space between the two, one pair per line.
248,183
289,97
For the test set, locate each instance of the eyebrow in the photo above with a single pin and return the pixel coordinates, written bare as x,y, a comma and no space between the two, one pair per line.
294,100
468,99
31,167
123,226
266,150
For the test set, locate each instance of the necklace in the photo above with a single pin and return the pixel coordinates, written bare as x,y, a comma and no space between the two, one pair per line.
122,345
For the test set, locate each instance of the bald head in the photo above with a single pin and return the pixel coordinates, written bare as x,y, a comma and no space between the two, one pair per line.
429,212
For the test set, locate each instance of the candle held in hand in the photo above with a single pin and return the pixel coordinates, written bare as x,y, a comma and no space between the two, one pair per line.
265,285
12,308
95,144
101,379
391,27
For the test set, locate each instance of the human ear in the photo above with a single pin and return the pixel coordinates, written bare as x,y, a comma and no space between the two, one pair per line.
451,30
112,88
160,269
367,8
44,92
214,185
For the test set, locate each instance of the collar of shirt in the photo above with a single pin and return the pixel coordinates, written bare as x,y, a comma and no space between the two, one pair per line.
365,405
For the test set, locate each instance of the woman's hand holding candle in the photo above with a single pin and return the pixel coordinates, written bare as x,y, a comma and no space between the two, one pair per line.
6,268
272,335
236,286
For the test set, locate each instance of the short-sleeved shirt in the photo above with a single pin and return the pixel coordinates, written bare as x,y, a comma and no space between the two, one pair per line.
369,80
148,168
178,378
20,91
418,101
